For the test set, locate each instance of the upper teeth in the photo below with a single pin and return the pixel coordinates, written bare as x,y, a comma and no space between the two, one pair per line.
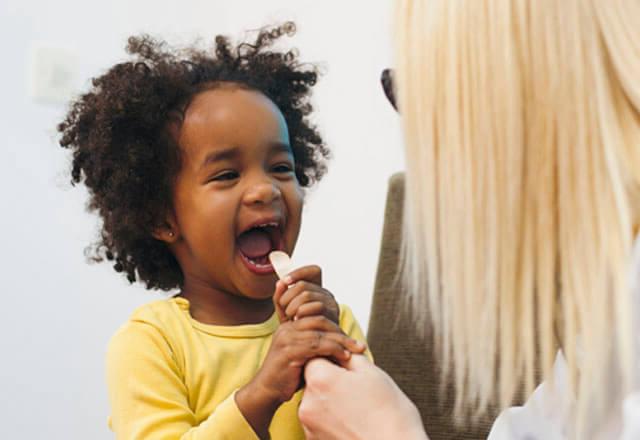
274,224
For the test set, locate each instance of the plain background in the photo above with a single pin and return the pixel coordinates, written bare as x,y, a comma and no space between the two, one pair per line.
58,311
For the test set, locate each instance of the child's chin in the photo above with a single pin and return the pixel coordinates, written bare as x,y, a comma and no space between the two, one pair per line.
261,296
261,291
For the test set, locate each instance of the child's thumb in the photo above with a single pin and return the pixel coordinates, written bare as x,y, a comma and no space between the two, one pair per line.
280,289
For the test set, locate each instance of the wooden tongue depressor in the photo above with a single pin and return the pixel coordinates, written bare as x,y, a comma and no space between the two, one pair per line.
281,263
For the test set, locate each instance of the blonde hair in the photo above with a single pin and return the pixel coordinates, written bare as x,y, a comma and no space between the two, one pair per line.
522,137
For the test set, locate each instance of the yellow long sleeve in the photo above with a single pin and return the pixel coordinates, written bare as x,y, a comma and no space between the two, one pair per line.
171,377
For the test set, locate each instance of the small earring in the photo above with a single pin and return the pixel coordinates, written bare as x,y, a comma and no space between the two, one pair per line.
171,234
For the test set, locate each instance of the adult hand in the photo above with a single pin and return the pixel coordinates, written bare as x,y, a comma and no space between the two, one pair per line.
355,403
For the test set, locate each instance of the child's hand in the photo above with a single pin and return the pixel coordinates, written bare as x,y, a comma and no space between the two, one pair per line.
296,342
280,376
301,294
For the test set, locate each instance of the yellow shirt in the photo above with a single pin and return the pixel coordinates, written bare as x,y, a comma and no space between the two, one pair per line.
172,377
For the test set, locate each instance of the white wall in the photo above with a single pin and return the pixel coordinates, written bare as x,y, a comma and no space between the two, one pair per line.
58,311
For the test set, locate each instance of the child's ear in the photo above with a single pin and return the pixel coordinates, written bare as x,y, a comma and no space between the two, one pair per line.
167,232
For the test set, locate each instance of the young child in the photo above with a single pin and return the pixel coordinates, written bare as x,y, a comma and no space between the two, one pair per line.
196,163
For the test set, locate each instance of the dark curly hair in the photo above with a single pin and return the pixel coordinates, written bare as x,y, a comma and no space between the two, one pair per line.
124,154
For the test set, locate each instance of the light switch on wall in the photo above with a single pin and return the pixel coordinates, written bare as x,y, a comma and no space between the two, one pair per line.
53,74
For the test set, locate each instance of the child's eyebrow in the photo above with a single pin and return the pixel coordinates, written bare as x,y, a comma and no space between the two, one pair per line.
233,152
280,147
220,155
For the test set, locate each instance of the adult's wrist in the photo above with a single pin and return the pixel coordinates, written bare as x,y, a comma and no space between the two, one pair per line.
414,428
403,419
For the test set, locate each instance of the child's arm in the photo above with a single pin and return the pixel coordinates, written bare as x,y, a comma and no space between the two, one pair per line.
149,398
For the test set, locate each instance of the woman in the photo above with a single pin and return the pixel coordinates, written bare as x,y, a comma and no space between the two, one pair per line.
522,133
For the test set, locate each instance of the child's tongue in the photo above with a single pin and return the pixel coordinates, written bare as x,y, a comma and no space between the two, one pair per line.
254,244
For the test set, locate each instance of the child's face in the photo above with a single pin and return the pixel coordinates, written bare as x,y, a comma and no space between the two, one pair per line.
237,174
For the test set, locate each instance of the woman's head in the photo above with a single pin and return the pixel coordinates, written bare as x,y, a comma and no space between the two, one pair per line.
522,124
123,135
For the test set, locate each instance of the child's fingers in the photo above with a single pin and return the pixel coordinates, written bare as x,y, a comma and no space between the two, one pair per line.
347,343
302,292
311,273
313,344
310,309
330,330
292,291
353,345
304,297
318,323
281,288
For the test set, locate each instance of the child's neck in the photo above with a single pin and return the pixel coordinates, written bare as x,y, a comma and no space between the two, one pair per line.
212,306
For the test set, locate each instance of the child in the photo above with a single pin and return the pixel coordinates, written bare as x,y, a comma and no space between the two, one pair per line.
196,164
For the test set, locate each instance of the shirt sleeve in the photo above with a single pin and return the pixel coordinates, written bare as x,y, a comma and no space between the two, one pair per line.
149,398
544,415
631,417
350,326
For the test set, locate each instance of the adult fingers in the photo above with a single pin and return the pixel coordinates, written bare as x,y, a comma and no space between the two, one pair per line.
308,434
322,368
320,372
358,363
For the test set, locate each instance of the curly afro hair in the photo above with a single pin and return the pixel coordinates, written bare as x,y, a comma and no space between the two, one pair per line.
124,154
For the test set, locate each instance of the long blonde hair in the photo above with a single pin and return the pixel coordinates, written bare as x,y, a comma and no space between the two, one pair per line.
522,136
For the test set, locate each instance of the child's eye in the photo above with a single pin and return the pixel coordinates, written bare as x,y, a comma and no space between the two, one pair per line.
225,175
282,168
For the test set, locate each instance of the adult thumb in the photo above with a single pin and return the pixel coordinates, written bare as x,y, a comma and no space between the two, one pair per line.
358,362
320,370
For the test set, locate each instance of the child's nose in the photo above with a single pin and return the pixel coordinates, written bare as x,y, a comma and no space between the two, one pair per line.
263,193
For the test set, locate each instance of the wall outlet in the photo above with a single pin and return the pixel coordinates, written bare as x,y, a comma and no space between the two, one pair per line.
53,74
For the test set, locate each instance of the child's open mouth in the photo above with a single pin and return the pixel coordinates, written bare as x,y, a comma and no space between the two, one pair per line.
255,245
